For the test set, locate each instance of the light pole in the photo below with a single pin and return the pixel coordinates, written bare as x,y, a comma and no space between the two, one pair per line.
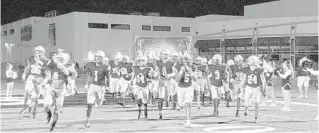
9,46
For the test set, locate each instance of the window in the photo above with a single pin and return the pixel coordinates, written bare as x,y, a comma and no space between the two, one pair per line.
186,29
146,27
26,33
98,25
4,33
52,35
120,26
161,28
11,31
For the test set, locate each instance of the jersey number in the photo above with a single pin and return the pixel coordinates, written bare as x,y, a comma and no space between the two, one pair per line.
252,79
198,74
95,76
55,75
164,71
186,78
217,75
140,78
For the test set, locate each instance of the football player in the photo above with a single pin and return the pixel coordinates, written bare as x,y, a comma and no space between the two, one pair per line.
153,85
115,74
126,73
177,64
303,77
35,71
228,86
165,68
140,84
200,71
99,74
185,90
59,75
252,76
236,78
217,76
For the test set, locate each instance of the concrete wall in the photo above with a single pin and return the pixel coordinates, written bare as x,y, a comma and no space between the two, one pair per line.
282,8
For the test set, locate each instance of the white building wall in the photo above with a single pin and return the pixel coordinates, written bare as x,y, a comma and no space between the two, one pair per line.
282,8
216,27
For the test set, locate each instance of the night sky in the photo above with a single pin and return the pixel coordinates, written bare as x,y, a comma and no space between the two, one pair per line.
12,10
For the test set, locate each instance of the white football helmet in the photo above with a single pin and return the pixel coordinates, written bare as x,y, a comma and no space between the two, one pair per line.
217,59
99,56
164,53
204,61
302,60
253,60
39,50
63,58
105,60
187,59
230,62
118,57
238,59
198,60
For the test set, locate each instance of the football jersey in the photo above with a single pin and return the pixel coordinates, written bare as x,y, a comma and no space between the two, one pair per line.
186,79
152,67
253,78
218,75
178,65
165,67
99,74
199,70
37,69
236,70
141,75
125,70
302,72
57,73
115,69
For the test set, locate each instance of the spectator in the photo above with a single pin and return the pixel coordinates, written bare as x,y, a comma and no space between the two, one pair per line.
10,75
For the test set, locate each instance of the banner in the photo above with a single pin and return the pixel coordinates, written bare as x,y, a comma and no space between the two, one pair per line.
154,45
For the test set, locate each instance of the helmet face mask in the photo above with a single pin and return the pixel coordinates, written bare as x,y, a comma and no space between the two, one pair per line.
98,59
217,59
238,59
164,54
198,60
186,59
38,50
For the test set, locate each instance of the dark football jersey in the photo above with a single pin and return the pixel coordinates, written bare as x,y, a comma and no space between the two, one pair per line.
125,70
236,70
253,78
99,74
178,65
165,67
186,79
199,70
218,75
141,75
302,72
115,69
37,69
57,73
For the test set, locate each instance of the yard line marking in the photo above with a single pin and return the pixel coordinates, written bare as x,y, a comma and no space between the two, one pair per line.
299,103
296,119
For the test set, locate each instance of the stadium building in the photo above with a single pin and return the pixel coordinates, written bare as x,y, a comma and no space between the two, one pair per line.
281,29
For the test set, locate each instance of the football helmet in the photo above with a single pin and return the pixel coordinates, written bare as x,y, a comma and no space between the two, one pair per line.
302,60
105,60
217,59
198,60
187,59
63,58
253,60
126,58
140,60
99,56
118,57
204,61
238,59
164,53
39,50
230,62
